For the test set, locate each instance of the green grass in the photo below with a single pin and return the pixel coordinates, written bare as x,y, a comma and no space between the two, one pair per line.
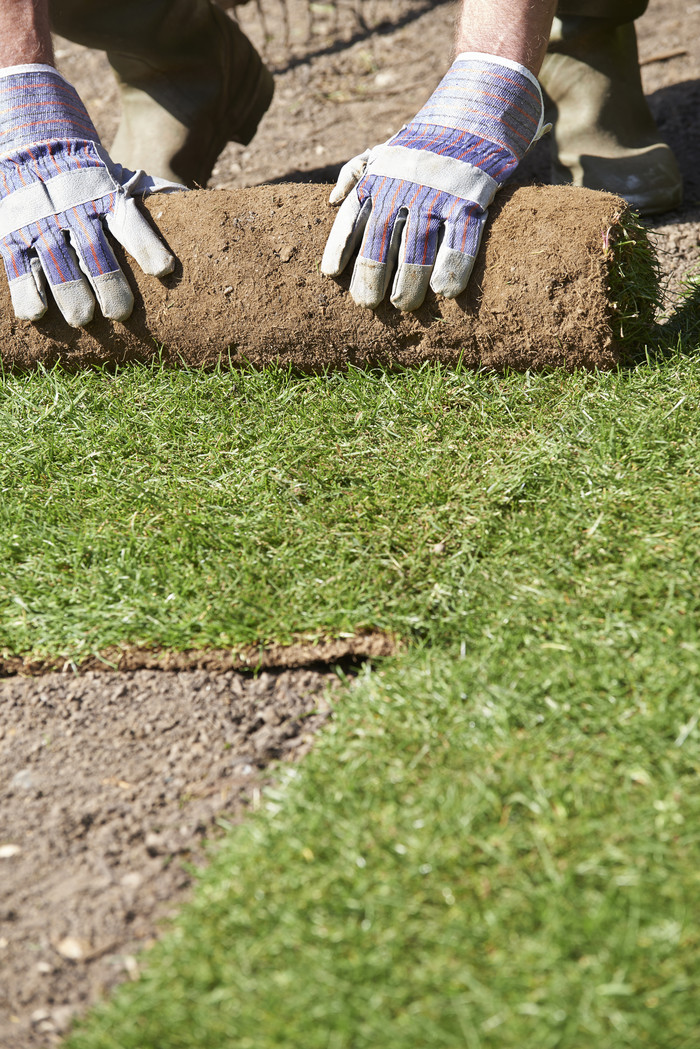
464,861
184,509
495,844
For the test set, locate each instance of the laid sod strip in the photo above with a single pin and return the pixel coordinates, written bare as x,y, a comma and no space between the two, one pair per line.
160,508
565,278
499,850
496,843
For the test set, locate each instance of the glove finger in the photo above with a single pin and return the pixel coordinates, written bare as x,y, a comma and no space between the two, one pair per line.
410,285
345,235
130,228
370,278
75,301
348,176
457,254
451,272
25,279
68,286
96,259
114,295
417,256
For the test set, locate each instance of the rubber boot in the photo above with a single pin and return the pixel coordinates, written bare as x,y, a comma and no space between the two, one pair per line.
190,80
604,135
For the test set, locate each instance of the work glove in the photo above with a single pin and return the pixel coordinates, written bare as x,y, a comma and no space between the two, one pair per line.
419,202
57,187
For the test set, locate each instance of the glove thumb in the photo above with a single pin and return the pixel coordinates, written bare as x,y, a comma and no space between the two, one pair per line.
350,174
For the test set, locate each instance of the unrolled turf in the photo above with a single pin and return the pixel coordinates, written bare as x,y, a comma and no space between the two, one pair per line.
565,278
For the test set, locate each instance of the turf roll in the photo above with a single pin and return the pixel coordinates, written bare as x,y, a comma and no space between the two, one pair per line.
566,277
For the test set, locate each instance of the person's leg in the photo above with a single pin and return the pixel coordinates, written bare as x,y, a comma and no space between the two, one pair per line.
517,30
190,80
604,134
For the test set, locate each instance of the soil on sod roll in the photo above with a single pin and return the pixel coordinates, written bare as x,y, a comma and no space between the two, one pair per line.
110,782
545,291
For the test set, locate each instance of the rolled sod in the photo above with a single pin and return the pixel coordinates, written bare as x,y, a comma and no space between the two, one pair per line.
565,277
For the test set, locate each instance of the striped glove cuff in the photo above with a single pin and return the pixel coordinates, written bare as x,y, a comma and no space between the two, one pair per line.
37,104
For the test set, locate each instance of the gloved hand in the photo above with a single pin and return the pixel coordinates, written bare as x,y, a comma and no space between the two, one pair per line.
419,201
57,185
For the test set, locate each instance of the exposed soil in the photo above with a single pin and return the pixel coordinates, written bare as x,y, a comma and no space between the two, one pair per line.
108,782
247,287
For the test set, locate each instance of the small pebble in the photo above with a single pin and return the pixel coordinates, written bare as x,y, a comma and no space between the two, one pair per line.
23,780
72,948
62,1016
131,966
131,880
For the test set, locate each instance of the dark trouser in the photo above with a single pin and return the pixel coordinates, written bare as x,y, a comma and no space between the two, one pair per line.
142,26
188,57
615,11
577,20
138,27
149,28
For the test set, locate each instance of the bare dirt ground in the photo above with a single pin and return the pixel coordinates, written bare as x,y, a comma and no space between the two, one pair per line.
110,782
